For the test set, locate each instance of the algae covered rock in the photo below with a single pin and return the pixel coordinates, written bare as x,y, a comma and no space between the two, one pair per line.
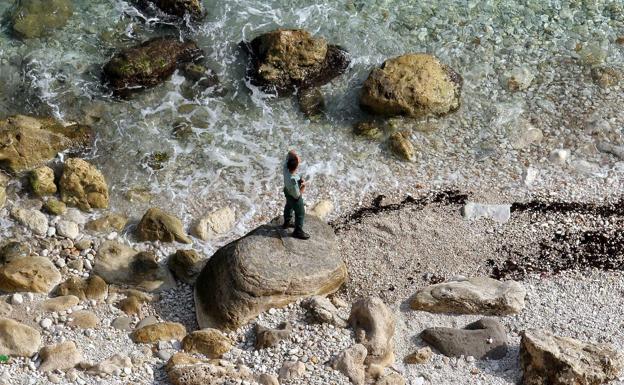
148,64
83,186
415,85
42,181
286,60
177,8
401,145
36,18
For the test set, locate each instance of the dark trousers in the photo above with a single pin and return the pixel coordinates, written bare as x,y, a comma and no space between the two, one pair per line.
297,206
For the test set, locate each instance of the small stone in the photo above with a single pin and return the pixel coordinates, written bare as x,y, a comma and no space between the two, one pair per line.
55,207
67,229
421,356
46,323
291,370
17,299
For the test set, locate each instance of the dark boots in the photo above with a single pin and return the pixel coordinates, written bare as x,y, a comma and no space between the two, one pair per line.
300,234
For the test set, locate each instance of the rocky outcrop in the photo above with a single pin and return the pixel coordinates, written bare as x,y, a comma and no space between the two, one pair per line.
17,339
479,295
286,60
249,276
162,331
266,337
550,359
27,142
107,223
177,8
34,220
120,264
157,225
186,265
61,356
30,274
148,64
415,85
37,18
350,362
214,224
183,369
82,185
374,324
485,338
42,181
209,342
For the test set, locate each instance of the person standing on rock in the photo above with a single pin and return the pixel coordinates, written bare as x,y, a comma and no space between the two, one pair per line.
294,186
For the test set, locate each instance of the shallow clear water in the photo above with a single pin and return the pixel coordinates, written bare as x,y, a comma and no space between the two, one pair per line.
239,139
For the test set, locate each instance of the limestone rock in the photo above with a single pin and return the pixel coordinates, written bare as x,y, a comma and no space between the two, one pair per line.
177,8
286,60
214,224
67,229
122,323
162,331
249,276
291,370
34,220
14,250
83,186
324,311
61,303
55,207
107,223
268,379
27,142
401,145
391,379
266,337
120,264
42,181
485,338
350,362
157,225
415,85
183,369
37,18
94,288
148,64
61,356
111,365
17,339
374,324
479,295
30,274
5,309
186,265
550,359
420,356
209,342
83,319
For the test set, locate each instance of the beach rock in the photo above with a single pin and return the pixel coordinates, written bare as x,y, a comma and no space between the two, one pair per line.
34,220
37,18
117,263
268,379
178,8
82,185
391,379
61,303
402,146
549,359
374,324
370,130
209,342
162,331
214,224
186,265
130,305
350,362
323,311
147,64
93,288
17,339
322,209
5,309
60,356
291,370
30,274
286,60
415,85
42,181
311,101
479,295
83,319
157,225
267,338
55,207
112,365
107,223
483,339
27,142
122,323
248,276
183,369
420,356
14,250
67,229
498,213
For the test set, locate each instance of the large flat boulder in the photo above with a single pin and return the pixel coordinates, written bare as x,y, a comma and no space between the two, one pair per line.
264,269
30,274
553,360
480,295
17,339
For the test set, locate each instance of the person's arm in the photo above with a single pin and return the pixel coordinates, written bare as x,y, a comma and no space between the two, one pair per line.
302,187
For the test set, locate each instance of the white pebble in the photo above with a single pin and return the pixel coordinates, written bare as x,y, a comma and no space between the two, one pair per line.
46,323
17,299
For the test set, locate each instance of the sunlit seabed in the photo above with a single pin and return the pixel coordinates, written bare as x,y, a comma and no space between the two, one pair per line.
239,139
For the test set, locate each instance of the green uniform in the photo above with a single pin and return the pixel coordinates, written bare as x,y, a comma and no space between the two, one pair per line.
294,200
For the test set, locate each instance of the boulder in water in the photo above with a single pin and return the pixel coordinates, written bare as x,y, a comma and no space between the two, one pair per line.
264,269
37,18
402,146
157,225
177,8
286,60
83,185
27,142
42,181
415,85
148,64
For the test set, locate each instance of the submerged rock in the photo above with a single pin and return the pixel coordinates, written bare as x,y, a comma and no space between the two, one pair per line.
248,276
82,185
401,145
311,101
27,142
107,223
415,85
371,130
34,220
30,274
286,60
55,207
178,8
36,18
148,64
157,225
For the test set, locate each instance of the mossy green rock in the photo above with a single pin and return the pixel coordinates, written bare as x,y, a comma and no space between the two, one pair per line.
55,207
148,64
36,18
369,130
42,181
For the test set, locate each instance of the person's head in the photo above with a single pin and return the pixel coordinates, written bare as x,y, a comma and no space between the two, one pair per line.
292,162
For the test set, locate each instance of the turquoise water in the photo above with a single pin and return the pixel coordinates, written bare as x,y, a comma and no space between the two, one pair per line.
240,138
